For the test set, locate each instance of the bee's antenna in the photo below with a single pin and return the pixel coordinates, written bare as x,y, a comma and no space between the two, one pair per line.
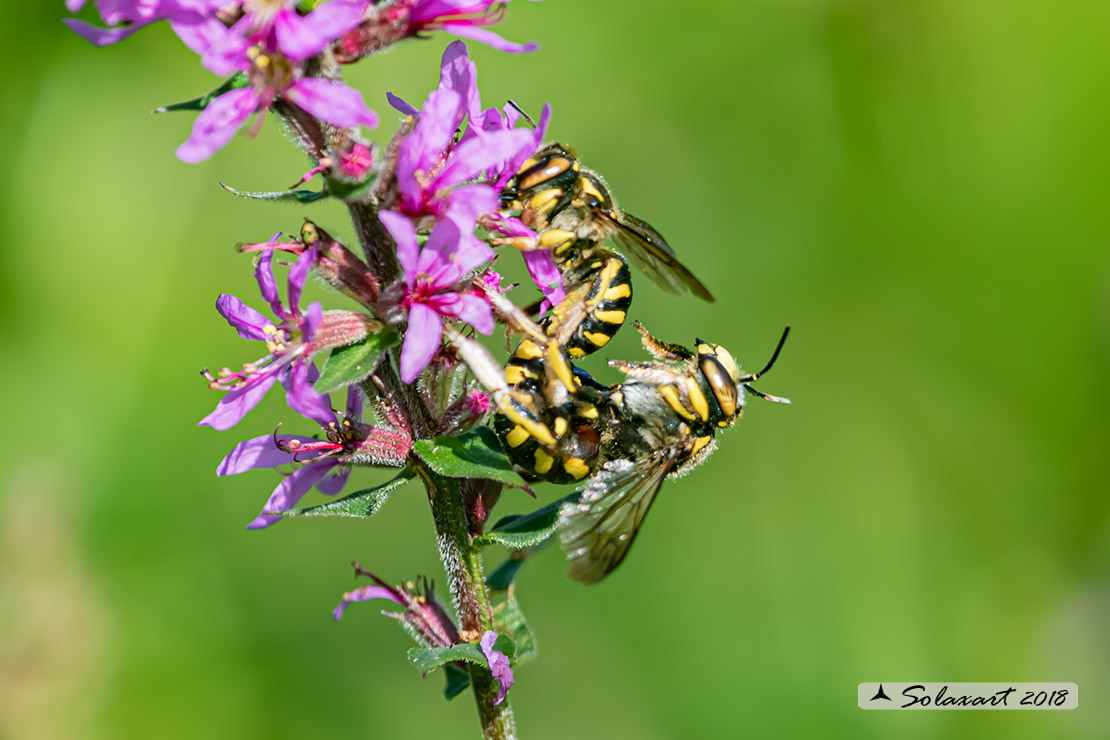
770,362
520,110
766,396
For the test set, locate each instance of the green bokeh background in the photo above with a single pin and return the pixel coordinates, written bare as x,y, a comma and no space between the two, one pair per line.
919,188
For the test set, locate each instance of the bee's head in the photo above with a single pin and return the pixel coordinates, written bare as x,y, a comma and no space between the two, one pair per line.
722,373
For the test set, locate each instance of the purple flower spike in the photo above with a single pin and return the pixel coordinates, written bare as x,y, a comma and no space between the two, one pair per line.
288,341
432,287
498,665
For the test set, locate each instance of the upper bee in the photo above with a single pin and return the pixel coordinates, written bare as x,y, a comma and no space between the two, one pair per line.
553,192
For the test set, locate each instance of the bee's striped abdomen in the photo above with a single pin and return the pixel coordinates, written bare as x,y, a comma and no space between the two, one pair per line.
607,300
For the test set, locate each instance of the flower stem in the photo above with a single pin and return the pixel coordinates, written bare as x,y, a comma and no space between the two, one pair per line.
463,564
461,559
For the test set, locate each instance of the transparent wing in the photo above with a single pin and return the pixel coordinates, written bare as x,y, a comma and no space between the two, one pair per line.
649,251
597,531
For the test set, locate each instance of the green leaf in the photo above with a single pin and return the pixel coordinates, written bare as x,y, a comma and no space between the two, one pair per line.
428,659
280,196
476,454
239,79
502,576
362,503
457,681
350,364
518,531
510,620
349,191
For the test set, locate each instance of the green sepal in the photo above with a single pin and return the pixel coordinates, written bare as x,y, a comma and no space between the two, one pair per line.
350,364
509,620
503,575
458,681
428,659
360,504
475,454
349,191
279,196
518,531
237,80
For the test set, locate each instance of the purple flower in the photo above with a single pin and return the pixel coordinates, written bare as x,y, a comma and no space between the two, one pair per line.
276,26
288,341
465,18
322,462
125,17
423,614
268,43
435,174
432,289
498,665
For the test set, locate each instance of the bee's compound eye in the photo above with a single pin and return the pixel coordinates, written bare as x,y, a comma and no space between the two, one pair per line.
720,381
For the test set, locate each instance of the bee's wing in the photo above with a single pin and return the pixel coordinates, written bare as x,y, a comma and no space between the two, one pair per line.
597,530
650,252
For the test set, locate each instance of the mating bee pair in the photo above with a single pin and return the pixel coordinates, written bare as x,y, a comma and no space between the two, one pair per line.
557,423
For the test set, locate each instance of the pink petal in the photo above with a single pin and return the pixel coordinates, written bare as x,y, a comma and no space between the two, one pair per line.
301,38
217,123
201,37
333,102
354,402
264,276
101,36
475,311
401,105
227,52
424,147
291,490
458,73
303,398
488,37
366,593
466,203
546,276
298,273
74,5
333,484
259,452
244,319
313,315
404,240
422,340
498,665
237,402
474,156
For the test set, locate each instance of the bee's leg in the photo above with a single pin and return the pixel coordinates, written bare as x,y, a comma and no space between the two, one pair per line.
588,326
662,350
547,239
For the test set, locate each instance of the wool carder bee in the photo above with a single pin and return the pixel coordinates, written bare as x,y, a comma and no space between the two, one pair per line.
572,211
626,438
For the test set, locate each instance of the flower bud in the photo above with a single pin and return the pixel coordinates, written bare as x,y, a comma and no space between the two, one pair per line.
340,267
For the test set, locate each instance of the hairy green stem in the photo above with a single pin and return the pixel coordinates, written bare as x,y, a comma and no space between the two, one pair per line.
463,564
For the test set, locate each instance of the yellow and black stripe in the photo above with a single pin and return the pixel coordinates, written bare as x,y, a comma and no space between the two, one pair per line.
606,302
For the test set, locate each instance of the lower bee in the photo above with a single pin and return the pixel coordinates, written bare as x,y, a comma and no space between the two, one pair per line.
562,426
